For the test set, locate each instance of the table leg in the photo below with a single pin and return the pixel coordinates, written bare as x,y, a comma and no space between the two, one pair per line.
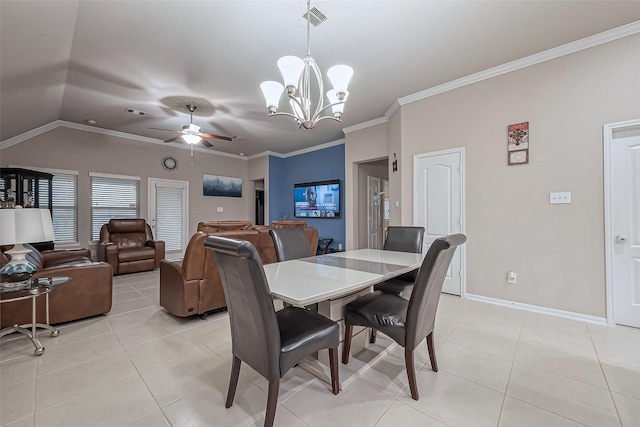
34,338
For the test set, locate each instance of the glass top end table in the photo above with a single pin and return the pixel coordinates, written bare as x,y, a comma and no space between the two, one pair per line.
32,289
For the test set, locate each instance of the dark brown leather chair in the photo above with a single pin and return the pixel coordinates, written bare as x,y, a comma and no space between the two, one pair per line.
290,243
269,342
88,292
403,239
407,322
128,245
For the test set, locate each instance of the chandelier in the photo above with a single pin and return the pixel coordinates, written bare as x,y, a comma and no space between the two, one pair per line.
297,75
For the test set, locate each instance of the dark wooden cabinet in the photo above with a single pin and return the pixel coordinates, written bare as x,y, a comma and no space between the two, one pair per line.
25,187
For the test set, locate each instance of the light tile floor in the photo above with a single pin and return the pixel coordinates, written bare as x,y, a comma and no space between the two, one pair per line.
140,366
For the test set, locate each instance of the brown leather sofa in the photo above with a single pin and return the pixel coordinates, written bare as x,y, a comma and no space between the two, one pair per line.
128,245
219,226
88,292
194,286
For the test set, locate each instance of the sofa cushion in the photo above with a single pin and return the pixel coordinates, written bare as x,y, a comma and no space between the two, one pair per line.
128,240
221,226
137,225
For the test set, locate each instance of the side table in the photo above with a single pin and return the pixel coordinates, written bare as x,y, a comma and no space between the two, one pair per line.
32,289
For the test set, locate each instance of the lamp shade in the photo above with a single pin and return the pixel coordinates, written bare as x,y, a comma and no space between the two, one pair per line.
25,226
340,75
291,67
272,91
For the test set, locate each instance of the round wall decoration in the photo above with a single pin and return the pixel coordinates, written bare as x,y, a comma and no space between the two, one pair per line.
169,163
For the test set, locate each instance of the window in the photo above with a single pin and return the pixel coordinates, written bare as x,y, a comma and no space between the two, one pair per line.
65,205
113,197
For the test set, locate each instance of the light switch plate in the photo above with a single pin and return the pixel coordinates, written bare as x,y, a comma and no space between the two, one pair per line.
220,209
561,197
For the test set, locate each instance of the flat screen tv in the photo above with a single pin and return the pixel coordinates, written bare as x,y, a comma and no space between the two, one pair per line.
319,199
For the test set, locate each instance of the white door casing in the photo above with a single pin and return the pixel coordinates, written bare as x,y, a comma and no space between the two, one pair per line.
169,214
438,205
374,227
622,222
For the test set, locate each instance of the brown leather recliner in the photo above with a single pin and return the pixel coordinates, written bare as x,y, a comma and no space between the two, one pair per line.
194,287
128,245
211,227
88,292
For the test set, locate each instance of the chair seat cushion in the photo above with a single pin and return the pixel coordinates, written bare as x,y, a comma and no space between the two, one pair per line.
303,332
383,311
136,254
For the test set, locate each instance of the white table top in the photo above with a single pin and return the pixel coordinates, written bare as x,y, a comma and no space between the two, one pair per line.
310,280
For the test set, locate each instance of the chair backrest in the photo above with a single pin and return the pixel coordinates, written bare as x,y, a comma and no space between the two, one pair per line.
126,232
255,335
290,243
404,239
421,313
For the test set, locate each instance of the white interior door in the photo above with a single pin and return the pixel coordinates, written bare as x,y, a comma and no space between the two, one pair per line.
169,214
625,229
438,205
374,226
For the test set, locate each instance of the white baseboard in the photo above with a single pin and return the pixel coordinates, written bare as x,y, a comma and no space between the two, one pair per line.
539,309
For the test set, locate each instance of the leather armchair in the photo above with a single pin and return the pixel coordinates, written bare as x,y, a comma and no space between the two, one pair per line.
88,292
128,245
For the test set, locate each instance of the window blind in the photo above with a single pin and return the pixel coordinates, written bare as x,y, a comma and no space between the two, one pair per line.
65,205
169,217
112,198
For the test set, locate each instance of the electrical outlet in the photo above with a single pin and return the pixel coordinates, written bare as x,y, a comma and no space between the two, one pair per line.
562,197
512,277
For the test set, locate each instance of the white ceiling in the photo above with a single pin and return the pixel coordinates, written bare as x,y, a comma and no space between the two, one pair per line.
81,60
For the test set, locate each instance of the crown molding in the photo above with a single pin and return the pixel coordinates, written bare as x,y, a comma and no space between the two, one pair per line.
365,125
77,126
314,148
547,55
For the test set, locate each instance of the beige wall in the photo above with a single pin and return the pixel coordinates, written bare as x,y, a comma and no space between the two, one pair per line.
556,250
71,149
360,146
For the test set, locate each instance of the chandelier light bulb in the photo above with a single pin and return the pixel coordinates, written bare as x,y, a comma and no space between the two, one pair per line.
337,105
340,75
291,67
272,91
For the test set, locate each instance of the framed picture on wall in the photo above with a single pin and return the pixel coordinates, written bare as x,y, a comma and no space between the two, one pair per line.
518,144
221,186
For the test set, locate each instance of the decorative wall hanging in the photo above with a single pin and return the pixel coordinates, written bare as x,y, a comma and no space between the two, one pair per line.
221,186
518,144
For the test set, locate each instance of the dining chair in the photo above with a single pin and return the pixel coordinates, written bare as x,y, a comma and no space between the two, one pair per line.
290,243
407,322
402,239
270,342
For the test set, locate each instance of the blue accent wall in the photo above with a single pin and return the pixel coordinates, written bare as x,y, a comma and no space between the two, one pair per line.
317,165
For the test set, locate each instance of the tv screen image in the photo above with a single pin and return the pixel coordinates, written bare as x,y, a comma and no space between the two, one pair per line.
317,199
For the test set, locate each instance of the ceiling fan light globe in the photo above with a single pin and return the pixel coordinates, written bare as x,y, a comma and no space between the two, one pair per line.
272,91
340,75
291,67
191,139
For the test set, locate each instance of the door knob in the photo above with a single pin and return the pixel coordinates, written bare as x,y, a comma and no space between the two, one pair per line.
621,238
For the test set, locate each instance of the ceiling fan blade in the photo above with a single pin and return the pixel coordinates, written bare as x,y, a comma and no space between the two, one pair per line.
170,130
210,135
206,143
175,138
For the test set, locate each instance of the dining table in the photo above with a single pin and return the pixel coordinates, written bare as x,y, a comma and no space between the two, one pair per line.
331,281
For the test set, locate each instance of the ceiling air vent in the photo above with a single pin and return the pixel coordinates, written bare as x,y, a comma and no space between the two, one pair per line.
315,17
135,112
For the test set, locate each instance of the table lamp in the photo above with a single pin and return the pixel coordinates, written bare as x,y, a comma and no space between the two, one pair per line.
19,226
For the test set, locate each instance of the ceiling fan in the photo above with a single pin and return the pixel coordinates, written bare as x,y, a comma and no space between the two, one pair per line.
191,133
